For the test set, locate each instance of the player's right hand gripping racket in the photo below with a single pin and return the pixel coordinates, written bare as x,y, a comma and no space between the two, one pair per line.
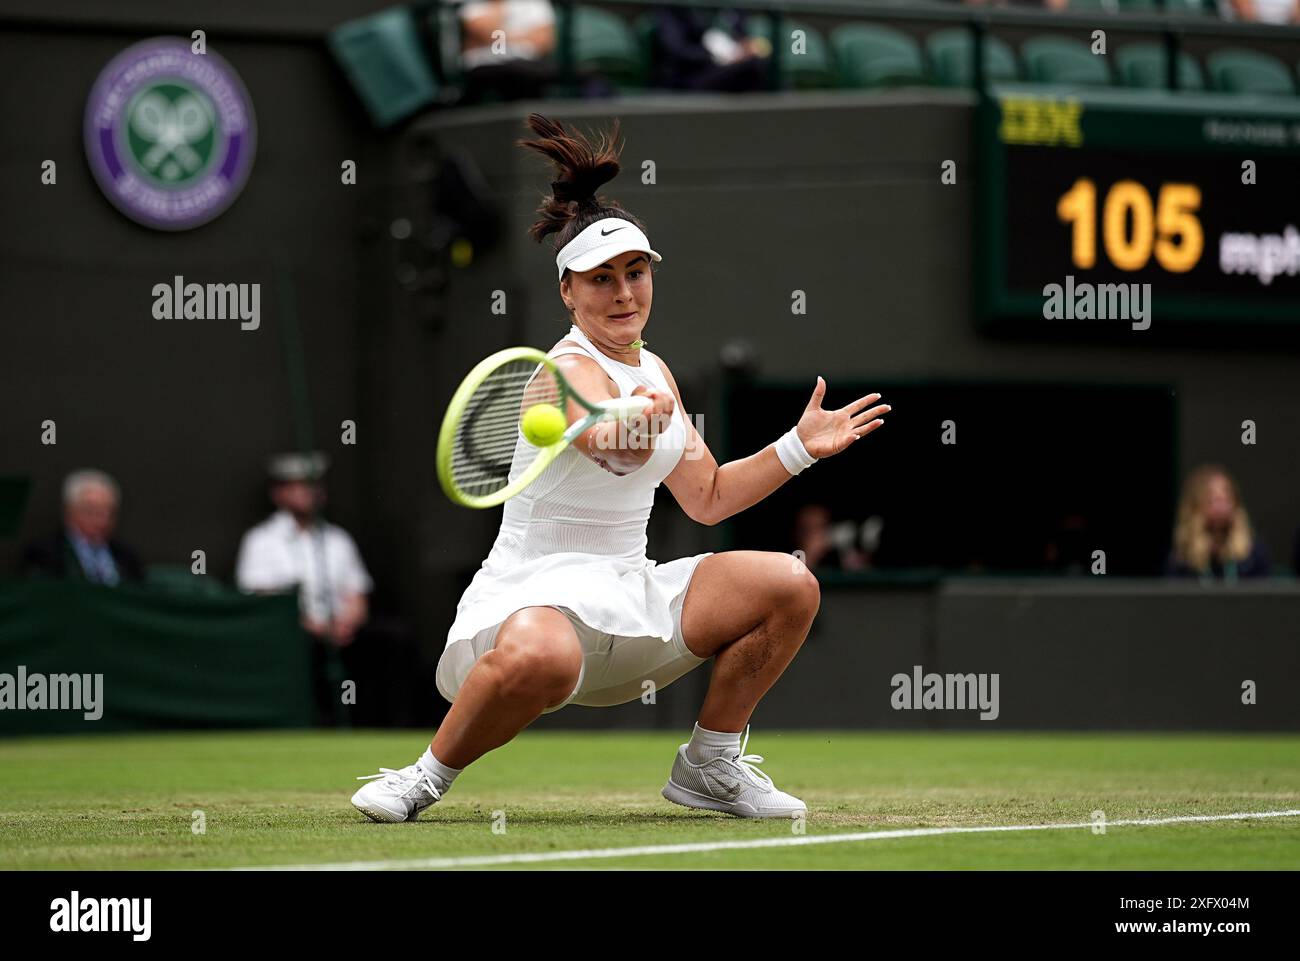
483,457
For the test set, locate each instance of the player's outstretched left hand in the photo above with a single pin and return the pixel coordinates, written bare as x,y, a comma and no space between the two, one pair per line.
827,432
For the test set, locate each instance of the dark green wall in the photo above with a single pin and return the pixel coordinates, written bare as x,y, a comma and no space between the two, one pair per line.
838,195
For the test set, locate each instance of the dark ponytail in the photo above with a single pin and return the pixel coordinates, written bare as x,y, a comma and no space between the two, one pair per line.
581,168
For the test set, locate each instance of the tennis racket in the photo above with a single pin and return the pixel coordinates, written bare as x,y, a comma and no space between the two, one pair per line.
484,458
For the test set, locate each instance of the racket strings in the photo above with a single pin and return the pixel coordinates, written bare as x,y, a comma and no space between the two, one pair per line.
488,446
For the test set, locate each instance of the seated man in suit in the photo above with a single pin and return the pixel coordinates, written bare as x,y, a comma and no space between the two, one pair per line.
85,548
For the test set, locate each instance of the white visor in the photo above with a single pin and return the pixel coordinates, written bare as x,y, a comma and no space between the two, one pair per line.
598,243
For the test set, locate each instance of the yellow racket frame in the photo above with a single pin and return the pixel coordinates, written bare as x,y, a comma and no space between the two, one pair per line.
615,408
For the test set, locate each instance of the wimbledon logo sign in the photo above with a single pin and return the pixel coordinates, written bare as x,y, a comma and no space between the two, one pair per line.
169,134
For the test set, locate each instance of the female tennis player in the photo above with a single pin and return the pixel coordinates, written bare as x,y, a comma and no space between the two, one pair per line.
566,609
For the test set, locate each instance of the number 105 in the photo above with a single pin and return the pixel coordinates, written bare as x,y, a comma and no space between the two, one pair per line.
1169,227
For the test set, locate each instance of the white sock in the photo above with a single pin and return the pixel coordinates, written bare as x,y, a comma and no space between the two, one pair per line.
439,772
705,744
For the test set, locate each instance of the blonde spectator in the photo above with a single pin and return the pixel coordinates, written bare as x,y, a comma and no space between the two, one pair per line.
1213,537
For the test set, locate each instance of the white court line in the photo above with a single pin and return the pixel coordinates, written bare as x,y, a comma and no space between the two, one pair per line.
798,841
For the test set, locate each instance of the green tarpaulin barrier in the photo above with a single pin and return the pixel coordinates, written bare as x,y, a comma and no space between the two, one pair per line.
167,660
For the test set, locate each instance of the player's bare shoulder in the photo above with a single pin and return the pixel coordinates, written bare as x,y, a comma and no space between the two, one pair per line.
584,372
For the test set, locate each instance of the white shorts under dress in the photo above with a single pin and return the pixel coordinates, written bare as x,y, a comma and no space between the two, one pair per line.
614,670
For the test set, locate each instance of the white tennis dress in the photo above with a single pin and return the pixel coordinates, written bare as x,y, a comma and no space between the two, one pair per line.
576,537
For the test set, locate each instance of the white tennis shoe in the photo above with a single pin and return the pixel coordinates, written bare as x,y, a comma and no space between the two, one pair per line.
393,796
730,784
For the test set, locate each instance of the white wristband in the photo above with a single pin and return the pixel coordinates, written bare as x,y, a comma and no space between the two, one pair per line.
794,456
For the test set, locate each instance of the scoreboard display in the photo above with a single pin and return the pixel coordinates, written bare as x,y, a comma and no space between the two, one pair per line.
1194,195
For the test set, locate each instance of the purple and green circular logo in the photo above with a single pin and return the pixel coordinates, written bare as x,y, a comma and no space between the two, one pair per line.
169,134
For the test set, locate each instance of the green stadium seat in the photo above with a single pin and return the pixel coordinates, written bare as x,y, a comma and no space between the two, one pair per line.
814,68
1142,65
871,56
1248,71
644,26
384,59
1094,6
952,58
443,24
605,44
1140,6
1195,8
1050,59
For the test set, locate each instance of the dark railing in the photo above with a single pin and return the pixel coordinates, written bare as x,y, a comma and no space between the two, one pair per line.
1171,27
312,22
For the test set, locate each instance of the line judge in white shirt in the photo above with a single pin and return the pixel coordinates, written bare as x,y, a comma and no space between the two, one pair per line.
296,547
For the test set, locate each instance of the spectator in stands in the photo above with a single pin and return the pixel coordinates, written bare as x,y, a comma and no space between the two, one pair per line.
827,546
296,548
1261,11
512,65
1045,4
1213,537
696,50
85,548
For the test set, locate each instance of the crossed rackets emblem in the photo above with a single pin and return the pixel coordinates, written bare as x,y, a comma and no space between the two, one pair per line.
171,127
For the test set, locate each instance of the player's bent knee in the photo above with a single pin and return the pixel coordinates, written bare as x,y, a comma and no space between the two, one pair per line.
811,591
800,592
537,655
537,669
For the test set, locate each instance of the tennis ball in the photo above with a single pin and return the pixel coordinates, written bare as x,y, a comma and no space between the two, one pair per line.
544,424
